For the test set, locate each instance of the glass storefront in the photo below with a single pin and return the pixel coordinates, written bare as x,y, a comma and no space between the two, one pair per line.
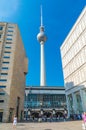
45,101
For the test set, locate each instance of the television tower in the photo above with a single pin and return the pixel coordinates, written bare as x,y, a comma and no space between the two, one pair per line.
41,37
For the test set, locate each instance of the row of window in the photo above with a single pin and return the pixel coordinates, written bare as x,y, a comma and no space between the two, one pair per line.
74,50
47,104
3,75
6,57
76,63
46,97
9,27
74,35
6,67
7,37
11,31
6,52
76,78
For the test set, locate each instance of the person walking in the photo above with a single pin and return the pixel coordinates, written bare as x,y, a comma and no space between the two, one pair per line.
14,121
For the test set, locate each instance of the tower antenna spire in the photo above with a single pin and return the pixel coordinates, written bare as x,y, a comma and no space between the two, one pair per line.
41,17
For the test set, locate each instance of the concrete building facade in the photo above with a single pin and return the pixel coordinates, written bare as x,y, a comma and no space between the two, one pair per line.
73,53
13,68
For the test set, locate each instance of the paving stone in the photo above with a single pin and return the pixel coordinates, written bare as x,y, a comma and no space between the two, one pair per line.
67,125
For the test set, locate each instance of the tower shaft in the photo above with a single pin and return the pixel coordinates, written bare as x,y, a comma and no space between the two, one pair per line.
42,66
41,37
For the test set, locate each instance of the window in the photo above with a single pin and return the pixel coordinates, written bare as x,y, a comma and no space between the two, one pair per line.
8,42
10,30
7,52
1,101
5,62
4,73
1,27
3,80
10,27
8,38
2,93
5,68
2,86
8,47
6,57
9,35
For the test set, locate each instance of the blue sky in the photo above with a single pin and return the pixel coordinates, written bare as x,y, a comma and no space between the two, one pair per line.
58,17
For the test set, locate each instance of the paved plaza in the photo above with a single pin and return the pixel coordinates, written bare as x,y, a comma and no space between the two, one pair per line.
69,125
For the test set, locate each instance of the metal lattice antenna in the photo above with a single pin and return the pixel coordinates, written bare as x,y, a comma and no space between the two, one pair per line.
41,17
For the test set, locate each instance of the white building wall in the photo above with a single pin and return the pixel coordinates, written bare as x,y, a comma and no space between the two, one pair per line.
73,52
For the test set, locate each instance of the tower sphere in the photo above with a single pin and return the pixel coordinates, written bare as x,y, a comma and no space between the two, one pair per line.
41,37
